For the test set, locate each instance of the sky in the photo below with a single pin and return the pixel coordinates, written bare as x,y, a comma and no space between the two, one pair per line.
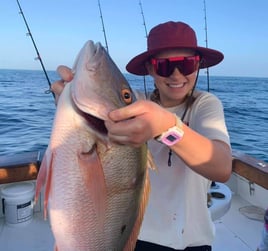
238,28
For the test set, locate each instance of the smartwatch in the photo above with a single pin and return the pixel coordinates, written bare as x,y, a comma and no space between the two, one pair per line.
172,135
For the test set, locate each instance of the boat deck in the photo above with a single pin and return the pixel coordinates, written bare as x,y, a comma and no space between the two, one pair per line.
234,232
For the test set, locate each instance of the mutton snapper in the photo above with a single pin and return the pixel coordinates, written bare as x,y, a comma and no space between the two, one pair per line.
96,191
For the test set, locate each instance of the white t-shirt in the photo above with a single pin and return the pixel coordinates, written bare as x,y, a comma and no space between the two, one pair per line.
177,215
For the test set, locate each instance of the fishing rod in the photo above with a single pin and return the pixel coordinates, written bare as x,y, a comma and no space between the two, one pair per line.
143,19
103,28
146,35
36,49
206,40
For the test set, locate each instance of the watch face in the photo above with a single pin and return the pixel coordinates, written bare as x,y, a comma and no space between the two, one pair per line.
171,138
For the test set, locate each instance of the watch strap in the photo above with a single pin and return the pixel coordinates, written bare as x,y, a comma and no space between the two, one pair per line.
173,134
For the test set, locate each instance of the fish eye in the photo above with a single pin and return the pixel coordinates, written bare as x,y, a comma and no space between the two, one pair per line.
126,95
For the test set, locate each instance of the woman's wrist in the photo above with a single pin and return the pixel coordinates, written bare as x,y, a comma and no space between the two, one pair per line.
173,134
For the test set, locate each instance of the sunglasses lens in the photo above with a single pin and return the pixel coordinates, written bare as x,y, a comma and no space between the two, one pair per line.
165,66
188,66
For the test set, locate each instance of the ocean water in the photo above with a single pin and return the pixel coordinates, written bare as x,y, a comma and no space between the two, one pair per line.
26,111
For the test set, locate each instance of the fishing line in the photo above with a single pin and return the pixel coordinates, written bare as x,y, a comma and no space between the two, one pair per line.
103,28
206,40
36,49
146,36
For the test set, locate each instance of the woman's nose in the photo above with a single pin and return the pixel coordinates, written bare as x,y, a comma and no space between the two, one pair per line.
177,74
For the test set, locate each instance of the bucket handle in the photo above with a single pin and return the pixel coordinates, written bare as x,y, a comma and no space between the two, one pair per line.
3,205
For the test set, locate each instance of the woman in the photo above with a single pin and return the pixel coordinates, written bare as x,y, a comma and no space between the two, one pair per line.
186,134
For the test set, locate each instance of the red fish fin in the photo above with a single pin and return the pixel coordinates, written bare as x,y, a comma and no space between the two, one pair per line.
150,161
44,177
92,171
41,179
48,184
131,243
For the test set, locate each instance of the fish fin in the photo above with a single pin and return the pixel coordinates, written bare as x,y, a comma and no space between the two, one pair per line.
44,178
150,161
131,243
48,183
41,178
92,172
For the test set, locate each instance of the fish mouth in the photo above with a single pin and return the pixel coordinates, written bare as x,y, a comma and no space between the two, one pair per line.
95,123
92,121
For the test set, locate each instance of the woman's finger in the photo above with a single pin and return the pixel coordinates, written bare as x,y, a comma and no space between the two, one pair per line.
65,73
57,87
136,109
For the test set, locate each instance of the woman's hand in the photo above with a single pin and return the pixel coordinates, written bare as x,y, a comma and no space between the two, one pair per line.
135,124
67,75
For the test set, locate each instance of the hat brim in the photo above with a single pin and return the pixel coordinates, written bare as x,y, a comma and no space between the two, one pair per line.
209,57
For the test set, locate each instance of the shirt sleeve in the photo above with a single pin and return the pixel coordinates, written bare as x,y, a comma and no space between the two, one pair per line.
207,117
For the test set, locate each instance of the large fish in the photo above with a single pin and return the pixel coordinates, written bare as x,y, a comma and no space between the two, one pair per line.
96,190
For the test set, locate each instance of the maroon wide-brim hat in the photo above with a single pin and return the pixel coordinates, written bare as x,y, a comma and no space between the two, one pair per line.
172,35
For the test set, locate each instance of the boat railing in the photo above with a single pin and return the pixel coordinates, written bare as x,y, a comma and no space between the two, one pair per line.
252,169
20,167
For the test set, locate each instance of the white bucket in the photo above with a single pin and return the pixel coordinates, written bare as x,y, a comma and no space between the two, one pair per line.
18,203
